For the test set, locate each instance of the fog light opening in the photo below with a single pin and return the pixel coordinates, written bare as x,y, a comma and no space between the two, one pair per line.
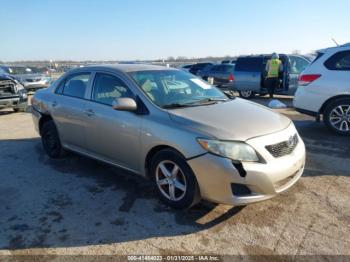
240,190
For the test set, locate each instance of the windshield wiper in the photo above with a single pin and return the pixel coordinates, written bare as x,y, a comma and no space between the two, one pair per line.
199,102
175,105
208,101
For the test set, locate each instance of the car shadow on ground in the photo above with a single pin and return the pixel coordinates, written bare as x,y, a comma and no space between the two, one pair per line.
265,100
325,150
77,201
6,112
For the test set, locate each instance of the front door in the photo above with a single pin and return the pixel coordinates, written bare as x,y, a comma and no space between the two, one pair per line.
112,135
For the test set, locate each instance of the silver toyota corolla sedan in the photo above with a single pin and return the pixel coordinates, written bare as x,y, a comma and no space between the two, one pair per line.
184,134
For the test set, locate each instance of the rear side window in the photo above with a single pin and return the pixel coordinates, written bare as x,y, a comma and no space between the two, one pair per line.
75,86
298,64
340,61
249,64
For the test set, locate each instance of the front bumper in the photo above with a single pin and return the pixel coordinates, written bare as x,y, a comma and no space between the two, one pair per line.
217,175
36,85
13,102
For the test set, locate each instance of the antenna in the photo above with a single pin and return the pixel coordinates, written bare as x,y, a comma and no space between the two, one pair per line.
335,42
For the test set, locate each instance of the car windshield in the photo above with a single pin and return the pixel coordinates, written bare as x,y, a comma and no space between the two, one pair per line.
17,70
173,88
38,70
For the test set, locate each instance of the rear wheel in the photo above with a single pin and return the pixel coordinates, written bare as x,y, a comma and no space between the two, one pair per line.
246,94
337,116
174,180
51,141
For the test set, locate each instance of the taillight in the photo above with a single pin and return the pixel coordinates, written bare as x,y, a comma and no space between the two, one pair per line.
231,78
305,80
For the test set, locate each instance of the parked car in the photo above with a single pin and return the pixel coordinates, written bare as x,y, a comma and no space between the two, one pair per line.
250,73
168,125
229,61
324,89
199,66
27,76
186,68
12,93
222,75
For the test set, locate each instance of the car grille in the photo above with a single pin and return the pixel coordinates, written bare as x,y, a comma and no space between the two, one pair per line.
284,148
7,87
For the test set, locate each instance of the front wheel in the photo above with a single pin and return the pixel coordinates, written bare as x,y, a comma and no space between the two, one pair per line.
174,180
337,116
246,94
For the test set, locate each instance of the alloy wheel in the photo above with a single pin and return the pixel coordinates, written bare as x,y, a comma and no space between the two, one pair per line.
340,118
171,180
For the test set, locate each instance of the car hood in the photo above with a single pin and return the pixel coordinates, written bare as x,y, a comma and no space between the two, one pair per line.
234,120
5,77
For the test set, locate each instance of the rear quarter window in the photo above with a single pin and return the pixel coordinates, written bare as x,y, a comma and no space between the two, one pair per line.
339,61
249,64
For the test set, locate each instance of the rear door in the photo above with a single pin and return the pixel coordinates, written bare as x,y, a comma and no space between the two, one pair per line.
68,109
247,73
338,76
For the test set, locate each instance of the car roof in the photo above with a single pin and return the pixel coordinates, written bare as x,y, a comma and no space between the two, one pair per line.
340,47
124,68
259,56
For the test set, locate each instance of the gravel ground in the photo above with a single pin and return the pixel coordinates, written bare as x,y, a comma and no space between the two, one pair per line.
80,206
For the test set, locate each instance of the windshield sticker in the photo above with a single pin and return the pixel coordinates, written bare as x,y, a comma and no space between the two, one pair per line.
201,83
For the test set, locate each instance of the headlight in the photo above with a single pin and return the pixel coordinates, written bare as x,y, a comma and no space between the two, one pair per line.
238,151
19,86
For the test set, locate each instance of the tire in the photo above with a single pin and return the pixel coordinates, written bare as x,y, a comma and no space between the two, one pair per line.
246,94
51,141
183,181
337,116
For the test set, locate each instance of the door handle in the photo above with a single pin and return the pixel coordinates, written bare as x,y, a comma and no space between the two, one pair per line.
54,103
89,112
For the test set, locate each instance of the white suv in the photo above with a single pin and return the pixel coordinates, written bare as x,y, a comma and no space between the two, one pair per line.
324,89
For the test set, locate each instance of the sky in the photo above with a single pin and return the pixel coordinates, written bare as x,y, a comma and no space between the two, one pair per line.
152,29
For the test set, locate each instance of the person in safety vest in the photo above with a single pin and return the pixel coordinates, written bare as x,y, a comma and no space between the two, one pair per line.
273,68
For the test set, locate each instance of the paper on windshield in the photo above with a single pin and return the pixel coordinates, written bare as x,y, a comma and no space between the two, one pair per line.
201,83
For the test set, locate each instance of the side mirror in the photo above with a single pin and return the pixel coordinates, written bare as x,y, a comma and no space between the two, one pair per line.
124,104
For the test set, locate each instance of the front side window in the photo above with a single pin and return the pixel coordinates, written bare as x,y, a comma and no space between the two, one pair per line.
340,61
172,88
107,88
75,86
